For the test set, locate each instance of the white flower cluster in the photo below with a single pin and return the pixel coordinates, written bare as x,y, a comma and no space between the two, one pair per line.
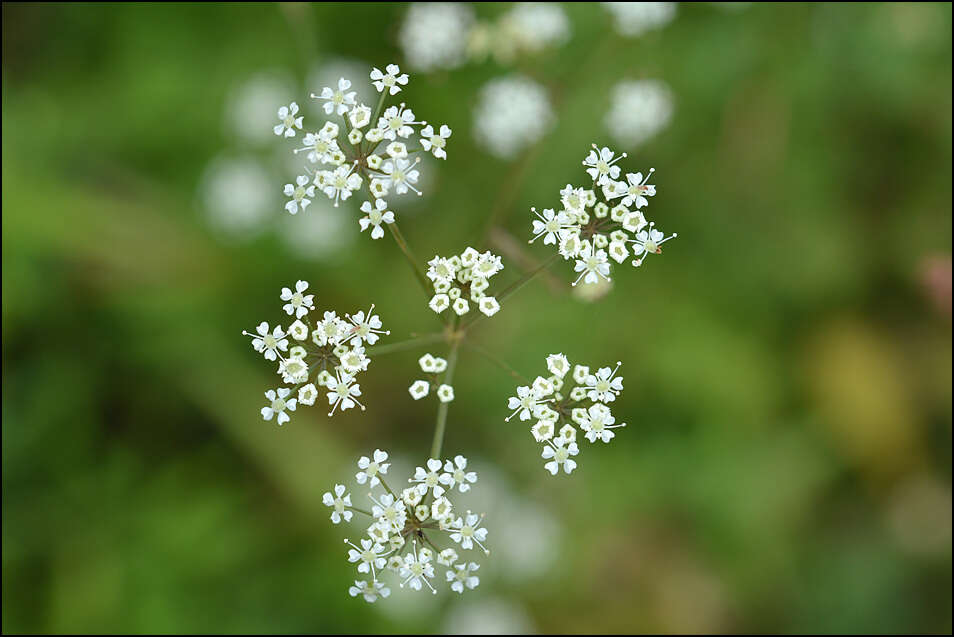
432,365
585,228
636,18
405,526
461,276
638,110
583,400
441,35
325,353
359,147
512,113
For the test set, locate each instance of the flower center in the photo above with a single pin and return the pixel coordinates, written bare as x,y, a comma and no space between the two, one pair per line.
651,246
342,389
278,405
270,341
602,386
289,121
395,123
561,455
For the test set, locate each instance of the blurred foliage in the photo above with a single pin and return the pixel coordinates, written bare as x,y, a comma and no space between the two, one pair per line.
787,363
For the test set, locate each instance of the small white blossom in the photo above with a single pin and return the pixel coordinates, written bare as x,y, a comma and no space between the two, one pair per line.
278,402
268,344
639,110
511,114
601,165
402,174
340,502
374,216
344,392
439,303
419,389
368,326
417,570
369,592
466,531
337,102
598,423
340,183
560,453
371,467
462,576
288,120
558,364
391,80
648,242
592,265
308,394
456,474
299,303
368,555
428,479
435,142
445,393
488,305
299,194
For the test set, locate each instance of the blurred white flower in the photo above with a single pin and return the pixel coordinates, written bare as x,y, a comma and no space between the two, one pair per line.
511,114
321,233
636,18
253,102
493,616
434,34
639,109
237,195
533,26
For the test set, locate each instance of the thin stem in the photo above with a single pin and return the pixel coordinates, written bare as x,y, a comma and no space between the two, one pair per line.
410,343
516,285
418,270
442,409
360,510
496,361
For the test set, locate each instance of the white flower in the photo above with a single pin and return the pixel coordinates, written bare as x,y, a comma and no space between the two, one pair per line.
618,251
374,216
401,174
308,394
592,265
430,365
417,569
456,474
344,392
511,114
488,305
542,431
278,402
467,531
337,101
536,25
397,121
639,110
558,364
354,360
441,509
360,116
434,35
340,183
330,329
439,303
447,557
288,121
558,452
369,592
293,370
598,423
549,225
462,576
487,265
367,328
268,344
633,221
320,147
605,385
601,165
299,303
637,189
435,142
340,502
390,513
461,306
441,270
419,389
525,403
298,330
371,467
299,194
636,18
369,556
391,80
648,242
445,393
429,478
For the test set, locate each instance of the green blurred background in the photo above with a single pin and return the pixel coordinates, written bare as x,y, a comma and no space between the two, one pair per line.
787,362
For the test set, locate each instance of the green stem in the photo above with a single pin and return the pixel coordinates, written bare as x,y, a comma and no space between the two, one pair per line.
441,425
516,285
410,343
498,362
418,270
